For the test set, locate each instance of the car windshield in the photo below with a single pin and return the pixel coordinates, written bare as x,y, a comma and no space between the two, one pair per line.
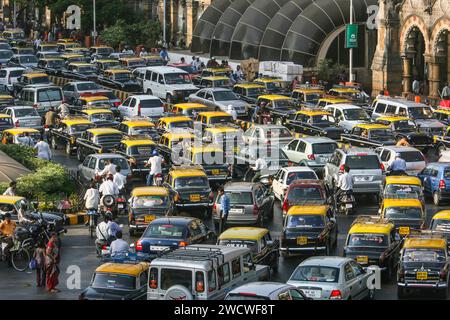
323,148
412,156
221,119
114,281
39,80
403,191
300,175
144,150
420,112
28,59
424,255
278,133
5,54
102,117
301,194
122,76
123,163
313,97
109,65
151,103
404,125
88,86
239,198
320,119
273,85
209,157
251,244
225,96
142,130
255,92
5,121
316,274
382,134
49,95
164,230
177,78
5,46
55,63
85,69
305,221
368,240
181,124
284,104
191,182
403,213
26,112
77,128
363,162
355,114
16,73
441,225
150,201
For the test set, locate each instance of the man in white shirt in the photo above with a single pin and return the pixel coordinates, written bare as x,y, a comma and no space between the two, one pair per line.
21,214
120,180
108,187
345,182
92,198
43,150
119,246
110,168
155,163
102,233
11,191
232,112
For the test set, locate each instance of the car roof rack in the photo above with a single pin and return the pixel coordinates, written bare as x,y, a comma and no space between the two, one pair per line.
194,253
137,137
367,219
309,86
426,234
186,167
139,118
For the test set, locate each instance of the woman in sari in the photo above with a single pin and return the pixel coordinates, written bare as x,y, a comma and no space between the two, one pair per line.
51,264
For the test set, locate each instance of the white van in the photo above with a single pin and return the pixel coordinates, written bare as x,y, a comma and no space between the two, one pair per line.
142,105
202,272
9,76
169,83
41,97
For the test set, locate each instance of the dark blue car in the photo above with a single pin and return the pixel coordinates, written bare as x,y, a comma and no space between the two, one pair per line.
171,233
436,181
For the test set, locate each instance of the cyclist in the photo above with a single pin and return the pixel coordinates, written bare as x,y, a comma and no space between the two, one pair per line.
7,228
92,200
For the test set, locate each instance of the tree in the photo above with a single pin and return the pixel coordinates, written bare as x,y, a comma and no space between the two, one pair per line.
327,71
116,34
141,33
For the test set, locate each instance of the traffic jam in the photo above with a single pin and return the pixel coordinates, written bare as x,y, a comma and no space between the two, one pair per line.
345,180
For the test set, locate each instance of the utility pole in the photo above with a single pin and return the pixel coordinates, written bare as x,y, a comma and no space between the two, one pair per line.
351,49
164,25
14,13
94,33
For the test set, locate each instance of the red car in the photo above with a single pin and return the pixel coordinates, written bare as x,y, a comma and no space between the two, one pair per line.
186,67
302,192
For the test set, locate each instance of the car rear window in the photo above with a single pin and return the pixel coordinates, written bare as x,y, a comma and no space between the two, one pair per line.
362,162
316,274
114,281
49,95
323,148
26,112
243,198
368,240
192,182
150,103
301,175
305,221
412,156
176,277
447,173
252,245
16,73
123,163
300,194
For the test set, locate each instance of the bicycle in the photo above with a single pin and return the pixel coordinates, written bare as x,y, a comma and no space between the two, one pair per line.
92,223
19,254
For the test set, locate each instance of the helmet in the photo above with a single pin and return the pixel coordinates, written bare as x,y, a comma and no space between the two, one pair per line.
23,204
154,152
108,215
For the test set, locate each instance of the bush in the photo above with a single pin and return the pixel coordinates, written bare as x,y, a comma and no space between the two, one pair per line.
146,33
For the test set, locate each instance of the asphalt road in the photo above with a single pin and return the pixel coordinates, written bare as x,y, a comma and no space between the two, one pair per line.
78,253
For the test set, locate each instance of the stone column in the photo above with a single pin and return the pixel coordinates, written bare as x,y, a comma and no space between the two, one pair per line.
189,22
407,75
434,78
448,58
174,19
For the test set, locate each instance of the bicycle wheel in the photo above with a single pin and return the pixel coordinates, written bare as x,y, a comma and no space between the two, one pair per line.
91,226
20,259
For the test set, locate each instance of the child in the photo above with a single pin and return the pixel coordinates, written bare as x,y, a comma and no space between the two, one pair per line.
39,255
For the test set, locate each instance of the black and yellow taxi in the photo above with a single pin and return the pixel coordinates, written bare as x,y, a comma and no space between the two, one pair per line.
423,264
118,281
175,123
443,115
139,126
188,109
406,214
52,65
325,101
407,187
147,204
308,229
172,144
307,96
153,60
440,222
66,132
17,135
89,101
120,79
372,240
77,50
5,122
100,51
106,64
314,122
278,107
271,85
132,63
31,78
369,135
212,72
101,118
137,149
191,187
213,160
229,138
6,100
63,46
258,240
212,118
215,82
72,57
349,92
97,140
249,92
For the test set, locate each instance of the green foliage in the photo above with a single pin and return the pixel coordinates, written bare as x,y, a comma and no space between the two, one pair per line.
24,155
327,71
146,33
116,34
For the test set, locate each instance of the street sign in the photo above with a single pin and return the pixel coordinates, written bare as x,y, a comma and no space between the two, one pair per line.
351,36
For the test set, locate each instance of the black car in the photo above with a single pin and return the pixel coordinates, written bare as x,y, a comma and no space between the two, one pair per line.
370,136
53,66
278,108
80,71
314,123
120,79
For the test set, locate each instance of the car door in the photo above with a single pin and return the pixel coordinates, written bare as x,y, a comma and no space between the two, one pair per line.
352,285
91,168
69,92
277,183
290,151
132,108
124,109
361,280
160,91
209,99
300,152
423,176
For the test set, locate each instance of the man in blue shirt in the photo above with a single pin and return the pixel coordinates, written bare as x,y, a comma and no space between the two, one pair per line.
398,167
224,209
164,55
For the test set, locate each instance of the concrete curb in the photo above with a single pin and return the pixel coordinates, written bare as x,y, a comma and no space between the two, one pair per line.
77,218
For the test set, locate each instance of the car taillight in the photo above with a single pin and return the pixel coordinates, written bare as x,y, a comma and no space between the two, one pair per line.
182,244
211,196
382,166
17,123
311,157
255,209
285,207
116,104
341,168
139,245
335,294
214,208
441,184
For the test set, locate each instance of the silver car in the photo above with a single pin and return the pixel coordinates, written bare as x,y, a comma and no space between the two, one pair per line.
95,163
332,278
266,291
365,165
24,116
268,134
250,204
220,99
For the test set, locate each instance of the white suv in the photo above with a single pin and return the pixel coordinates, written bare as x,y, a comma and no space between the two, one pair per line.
347,116
142,105
9,76
169,83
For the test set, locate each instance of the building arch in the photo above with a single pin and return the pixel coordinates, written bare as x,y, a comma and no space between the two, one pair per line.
409,24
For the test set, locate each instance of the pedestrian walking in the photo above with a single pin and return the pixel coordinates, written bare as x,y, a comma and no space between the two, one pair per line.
52,258
39,257
224,209
416,86
43,149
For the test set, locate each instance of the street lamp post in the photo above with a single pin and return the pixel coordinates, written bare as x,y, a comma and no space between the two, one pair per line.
164,23
14,13
351,49
94,34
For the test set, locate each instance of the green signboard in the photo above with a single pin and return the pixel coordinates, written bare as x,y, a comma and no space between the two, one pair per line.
351,36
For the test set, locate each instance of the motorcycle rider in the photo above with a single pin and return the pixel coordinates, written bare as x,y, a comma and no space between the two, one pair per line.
63,110
21,214
7,228
154,163
345,183
398,166
110,168
119,246
108,187
103,232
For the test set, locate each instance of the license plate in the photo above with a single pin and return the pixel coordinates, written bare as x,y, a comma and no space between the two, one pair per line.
302,240
422,275
236,210
149,218
215,171
403,231
312,293
348,205
194,197
158,248
360,179
362,259
323,160
120,206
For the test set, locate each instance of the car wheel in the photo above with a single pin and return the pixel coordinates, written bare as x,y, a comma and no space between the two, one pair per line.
436,199
54,144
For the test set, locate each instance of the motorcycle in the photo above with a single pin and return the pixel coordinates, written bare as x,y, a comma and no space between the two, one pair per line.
158,180
109,203
345,203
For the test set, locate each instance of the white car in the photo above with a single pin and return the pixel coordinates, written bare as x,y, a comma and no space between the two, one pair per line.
142,105
264,134
285,176
169,83
24,117
347,116
9,76
415,160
